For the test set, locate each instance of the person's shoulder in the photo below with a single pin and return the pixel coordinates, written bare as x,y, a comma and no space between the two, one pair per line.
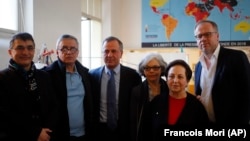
42,74
233,54
41,71
50,67
232,51
81,66
191,97
4,72
128,69
95,70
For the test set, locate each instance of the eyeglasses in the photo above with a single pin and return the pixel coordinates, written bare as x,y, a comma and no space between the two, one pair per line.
206,35
22,48
154,68
71,50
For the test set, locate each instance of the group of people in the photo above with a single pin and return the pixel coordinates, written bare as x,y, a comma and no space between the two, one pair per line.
66,101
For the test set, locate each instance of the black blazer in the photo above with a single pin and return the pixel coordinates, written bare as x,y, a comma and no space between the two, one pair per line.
16,119
129,78
231,87
149,118
57,71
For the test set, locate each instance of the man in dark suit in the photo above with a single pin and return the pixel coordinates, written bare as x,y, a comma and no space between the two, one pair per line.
125,79
222,78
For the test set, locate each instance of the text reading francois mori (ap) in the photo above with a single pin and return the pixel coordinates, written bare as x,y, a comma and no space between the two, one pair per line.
226,133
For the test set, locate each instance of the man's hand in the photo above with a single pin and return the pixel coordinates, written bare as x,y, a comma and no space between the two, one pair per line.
44,135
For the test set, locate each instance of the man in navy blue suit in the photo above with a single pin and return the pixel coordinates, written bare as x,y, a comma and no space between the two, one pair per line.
125,79
222,78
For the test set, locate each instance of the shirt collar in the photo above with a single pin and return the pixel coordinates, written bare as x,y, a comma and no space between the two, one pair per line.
215,54
74,71
116,69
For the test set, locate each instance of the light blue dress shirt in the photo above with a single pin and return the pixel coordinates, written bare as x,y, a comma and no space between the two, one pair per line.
76,93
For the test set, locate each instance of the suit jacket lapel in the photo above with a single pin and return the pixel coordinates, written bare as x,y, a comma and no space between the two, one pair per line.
197,78
219,67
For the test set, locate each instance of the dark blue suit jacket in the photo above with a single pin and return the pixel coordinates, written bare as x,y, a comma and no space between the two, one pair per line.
129,78
231,87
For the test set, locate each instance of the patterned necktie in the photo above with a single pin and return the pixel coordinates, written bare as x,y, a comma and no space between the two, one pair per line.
111,102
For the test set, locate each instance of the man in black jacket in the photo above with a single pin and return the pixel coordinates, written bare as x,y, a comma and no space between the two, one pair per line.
27,102
222,78
73,91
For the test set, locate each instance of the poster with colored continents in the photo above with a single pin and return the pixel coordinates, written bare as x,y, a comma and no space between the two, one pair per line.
170,23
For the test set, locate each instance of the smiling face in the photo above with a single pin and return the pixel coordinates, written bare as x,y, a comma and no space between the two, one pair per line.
22,52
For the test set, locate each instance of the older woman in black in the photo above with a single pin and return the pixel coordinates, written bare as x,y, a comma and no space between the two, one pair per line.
146,96
183,107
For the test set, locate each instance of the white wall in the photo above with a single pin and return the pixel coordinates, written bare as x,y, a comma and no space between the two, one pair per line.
46,20
55,17
122,18
131,23
4,56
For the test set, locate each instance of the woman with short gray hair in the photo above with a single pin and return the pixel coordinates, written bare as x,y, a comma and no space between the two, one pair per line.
145,97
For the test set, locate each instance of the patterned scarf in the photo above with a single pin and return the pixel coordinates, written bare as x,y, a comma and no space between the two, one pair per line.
28,76
30,85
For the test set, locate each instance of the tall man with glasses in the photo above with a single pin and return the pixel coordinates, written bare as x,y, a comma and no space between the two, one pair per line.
27,101
222,78
73,91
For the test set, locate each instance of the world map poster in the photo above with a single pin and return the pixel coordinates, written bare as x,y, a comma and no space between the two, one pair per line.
170,23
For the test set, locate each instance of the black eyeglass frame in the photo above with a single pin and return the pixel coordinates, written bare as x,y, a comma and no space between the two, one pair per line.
71,50
154,68
206,35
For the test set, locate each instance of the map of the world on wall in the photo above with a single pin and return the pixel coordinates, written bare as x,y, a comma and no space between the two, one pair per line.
170,23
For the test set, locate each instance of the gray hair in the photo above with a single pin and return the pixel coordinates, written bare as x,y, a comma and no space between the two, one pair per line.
149,57
66,36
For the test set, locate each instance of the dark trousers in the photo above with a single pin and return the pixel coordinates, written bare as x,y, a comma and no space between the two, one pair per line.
81,138
107,134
